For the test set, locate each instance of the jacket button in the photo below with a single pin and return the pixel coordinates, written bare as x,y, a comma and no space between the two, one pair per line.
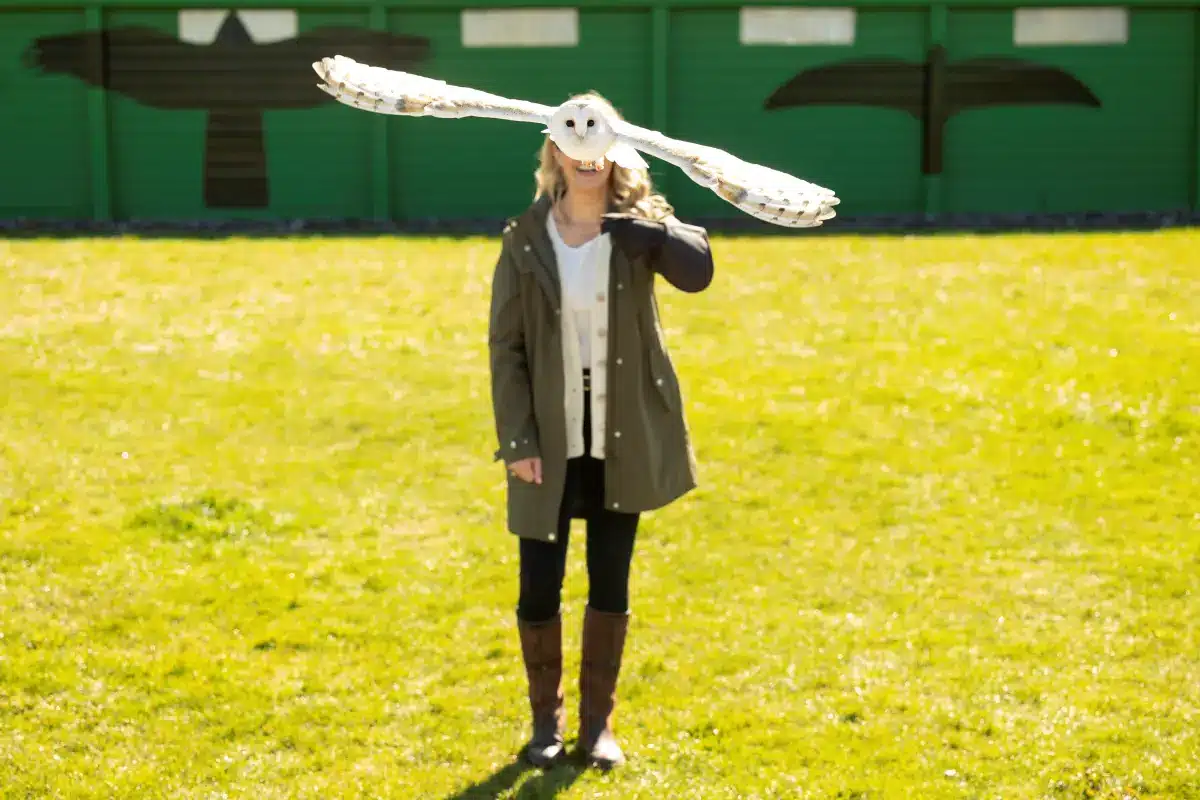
550,536
616,505
620,286
658,381
617,434
526,248
618,362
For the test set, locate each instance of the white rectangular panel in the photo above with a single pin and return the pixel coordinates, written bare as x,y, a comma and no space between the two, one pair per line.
520,27
200,25
1034,27
797,26
269,25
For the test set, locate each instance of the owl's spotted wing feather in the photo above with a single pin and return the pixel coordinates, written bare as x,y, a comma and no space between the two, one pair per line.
765,193
387,91
762,192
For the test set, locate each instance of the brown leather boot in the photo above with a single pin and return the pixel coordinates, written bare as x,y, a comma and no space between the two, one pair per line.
541,649
603,645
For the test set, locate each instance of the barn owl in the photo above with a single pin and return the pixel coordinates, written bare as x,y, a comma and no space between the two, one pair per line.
587,130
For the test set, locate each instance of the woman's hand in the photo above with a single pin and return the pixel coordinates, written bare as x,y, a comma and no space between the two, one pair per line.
527,469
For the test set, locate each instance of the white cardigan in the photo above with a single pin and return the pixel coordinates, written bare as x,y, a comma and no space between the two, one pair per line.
583,276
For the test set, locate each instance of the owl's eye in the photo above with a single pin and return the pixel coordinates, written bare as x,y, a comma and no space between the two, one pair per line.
591,122
570,123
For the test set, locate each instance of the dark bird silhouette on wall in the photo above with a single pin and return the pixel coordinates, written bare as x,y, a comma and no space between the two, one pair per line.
234,79
932,92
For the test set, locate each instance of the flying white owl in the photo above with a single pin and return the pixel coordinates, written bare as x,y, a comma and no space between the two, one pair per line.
587,131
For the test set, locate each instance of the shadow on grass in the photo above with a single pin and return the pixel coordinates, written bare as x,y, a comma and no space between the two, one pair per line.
545,784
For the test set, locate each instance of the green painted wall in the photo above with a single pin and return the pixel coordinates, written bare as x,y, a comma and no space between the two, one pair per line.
71,151
1136,152
871,158
45,170
154,155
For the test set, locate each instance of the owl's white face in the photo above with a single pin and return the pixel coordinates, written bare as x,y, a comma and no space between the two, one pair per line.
582,129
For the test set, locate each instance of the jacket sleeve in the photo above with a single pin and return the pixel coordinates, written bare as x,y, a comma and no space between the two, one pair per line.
684,258
512,390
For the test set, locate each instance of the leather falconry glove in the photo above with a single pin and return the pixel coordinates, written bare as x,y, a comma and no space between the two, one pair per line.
636,236
678,252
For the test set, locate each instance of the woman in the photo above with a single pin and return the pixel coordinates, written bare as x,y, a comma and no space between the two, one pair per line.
588,413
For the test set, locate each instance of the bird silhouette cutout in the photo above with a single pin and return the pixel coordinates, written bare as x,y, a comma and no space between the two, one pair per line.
933,92
232,78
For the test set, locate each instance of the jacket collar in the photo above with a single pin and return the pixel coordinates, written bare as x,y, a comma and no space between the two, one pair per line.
532,238
531,231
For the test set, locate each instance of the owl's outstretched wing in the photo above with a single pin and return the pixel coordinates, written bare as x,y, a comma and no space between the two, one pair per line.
762,192
765,193
387,91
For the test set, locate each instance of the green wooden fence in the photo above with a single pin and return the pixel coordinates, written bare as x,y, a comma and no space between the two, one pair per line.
146,110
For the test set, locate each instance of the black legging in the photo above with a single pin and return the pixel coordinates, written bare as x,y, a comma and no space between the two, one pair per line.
610,538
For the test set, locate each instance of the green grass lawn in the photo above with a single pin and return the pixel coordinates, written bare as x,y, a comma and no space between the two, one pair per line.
946,544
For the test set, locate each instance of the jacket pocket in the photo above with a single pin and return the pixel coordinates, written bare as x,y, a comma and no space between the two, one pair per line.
657,360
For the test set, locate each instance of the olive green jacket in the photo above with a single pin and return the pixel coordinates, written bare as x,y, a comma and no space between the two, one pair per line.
649,460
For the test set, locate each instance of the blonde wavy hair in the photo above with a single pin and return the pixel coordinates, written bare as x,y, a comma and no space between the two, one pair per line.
630,190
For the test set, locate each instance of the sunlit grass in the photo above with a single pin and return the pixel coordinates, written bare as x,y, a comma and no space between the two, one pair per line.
946,544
